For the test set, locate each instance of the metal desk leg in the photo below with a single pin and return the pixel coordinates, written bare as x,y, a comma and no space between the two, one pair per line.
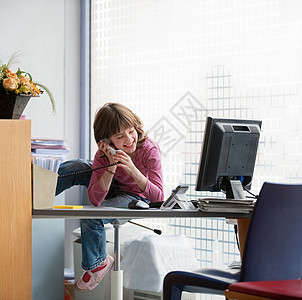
116,273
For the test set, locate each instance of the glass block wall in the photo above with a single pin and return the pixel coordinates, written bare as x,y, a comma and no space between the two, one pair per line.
174,62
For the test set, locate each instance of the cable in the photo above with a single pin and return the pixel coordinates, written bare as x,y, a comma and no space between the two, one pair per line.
157,231
86,171
255,196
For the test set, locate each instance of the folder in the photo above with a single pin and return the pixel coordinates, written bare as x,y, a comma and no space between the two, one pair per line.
44,184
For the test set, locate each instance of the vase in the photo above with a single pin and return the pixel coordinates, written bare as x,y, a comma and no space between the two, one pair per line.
12,106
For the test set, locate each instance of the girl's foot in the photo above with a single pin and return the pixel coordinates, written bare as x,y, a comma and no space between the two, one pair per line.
90,279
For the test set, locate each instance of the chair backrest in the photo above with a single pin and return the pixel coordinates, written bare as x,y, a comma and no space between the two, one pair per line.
273,249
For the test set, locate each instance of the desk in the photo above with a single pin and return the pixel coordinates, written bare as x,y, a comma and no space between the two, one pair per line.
92,212
16,223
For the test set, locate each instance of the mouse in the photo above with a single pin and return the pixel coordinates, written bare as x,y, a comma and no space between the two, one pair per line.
138,204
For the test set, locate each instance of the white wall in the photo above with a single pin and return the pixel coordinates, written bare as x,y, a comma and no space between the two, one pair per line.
47,35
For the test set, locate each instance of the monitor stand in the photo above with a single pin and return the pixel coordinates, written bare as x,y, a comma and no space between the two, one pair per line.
234,190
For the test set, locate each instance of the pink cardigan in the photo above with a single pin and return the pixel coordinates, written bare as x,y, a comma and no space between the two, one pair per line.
147,159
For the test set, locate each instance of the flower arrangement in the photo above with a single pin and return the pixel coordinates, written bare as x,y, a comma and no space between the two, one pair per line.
21,82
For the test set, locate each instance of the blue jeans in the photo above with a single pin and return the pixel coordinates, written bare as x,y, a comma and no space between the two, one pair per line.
72,166
93,233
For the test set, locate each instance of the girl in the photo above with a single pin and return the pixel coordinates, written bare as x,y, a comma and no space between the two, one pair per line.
134,173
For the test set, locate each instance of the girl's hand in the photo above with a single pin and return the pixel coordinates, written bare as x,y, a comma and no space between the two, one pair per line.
103,146
125,162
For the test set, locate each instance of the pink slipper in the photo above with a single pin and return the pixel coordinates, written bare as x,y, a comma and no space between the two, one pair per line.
95,277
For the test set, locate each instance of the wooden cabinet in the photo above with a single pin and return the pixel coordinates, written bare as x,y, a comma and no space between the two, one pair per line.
15,210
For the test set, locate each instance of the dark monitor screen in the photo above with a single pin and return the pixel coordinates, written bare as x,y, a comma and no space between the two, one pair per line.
228,154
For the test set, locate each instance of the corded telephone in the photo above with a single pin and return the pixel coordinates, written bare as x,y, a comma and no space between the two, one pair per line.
178,196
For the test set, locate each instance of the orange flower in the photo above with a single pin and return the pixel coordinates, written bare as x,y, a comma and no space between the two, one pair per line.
35,90
25,81
12,75
10,83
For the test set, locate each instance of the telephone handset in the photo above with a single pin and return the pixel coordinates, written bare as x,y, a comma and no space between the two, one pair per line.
112,151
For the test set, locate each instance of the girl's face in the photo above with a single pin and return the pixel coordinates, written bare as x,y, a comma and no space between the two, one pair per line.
125,140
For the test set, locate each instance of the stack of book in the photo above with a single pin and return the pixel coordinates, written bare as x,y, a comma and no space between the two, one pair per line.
48,153
226,205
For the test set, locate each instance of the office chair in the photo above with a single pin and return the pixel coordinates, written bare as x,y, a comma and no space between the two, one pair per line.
272,250
265,290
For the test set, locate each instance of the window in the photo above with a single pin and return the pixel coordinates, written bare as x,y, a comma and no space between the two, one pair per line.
175,62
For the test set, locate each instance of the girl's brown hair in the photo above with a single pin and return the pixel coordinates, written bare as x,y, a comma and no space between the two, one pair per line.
109,119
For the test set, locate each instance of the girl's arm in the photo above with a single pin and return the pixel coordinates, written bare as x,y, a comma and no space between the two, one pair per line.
95,192
154,190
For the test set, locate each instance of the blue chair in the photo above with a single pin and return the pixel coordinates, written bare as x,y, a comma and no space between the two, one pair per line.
273,248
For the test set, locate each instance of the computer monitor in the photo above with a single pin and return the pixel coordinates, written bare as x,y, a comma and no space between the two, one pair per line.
228,156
